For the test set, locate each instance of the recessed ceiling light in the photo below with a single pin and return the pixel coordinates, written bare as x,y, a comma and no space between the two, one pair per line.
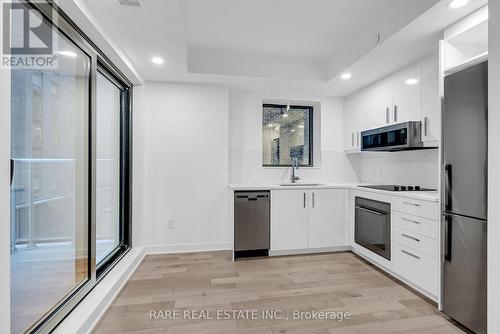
285,115
67,53
411,81
300,126
270,125
457,3
346,76
292,130
157,60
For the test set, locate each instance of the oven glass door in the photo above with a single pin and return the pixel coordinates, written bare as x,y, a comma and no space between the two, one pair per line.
372,230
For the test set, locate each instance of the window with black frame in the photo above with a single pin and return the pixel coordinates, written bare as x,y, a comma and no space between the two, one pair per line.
112,147
287,135
70,204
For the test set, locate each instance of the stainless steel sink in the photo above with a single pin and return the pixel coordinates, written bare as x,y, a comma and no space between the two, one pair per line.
300,184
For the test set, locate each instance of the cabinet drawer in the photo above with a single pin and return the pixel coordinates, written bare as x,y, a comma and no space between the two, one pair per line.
416,241
427,227
416,207
418,268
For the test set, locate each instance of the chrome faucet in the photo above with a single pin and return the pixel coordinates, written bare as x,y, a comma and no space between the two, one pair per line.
295,165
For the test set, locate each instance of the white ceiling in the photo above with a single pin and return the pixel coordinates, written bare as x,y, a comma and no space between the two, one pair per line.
308,29
279,45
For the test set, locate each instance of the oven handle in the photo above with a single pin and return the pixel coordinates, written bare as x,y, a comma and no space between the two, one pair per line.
371,211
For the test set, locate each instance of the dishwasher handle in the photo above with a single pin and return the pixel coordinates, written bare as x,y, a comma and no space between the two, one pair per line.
251,197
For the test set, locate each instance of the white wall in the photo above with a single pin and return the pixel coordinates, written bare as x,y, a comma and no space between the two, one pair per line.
245,139
494,170
407,168
139,168
186,137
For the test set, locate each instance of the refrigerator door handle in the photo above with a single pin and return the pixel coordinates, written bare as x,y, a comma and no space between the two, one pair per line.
12,170
447,238
447,187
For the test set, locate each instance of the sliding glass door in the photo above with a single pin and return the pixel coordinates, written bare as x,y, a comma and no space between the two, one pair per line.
70,178
50,193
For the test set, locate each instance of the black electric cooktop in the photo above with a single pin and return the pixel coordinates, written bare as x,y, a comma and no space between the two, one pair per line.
393,187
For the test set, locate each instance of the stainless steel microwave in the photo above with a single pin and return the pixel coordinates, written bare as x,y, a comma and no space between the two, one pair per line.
396,137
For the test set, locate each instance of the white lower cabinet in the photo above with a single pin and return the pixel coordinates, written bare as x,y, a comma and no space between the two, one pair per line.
424,209
307,219
415,247
326,218
424,226
289,216
416,267
416,241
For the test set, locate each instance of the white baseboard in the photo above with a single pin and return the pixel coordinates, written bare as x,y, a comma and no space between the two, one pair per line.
92,308
87,314
187,248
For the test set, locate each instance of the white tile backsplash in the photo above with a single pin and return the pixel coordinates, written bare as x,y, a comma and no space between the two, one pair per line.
408,167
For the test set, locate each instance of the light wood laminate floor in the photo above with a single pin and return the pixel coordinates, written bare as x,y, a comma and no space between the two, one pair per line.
333,282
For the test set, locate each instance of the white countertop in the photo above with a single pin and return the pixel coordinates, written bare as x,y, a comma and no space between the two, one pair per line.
432,196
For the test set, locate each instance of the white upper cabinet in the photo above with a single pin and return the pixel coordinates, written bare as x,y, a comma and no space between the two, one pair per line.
353,123
381,105
431,101
412,94
406,96
349,109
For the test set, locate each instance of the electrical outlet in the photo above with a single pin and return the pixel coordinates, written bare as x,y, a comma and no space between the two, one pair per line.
171,224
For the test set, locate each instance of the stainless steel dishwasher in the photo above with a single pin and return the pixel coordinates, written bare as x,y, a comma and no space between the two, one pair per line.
251,223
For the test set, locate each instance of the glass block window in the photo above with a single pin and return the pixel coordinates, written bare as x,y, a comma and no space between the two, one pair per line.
287,135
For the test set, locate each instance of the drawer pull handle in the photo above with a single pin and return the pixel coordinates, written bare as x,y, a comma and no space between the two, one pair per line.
410,203
410,221
410,237
410,254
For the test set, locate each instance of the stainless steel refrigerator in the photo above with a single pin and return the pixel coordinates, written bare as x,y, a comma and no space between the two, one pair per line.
464,196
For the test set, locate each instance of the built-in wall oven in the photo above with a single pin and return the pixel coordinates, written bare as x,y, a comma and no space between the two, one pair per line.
372,226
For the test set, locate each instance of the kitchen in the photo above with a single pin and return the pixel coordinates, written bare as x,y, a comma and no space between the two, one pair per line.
397,227
343,165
